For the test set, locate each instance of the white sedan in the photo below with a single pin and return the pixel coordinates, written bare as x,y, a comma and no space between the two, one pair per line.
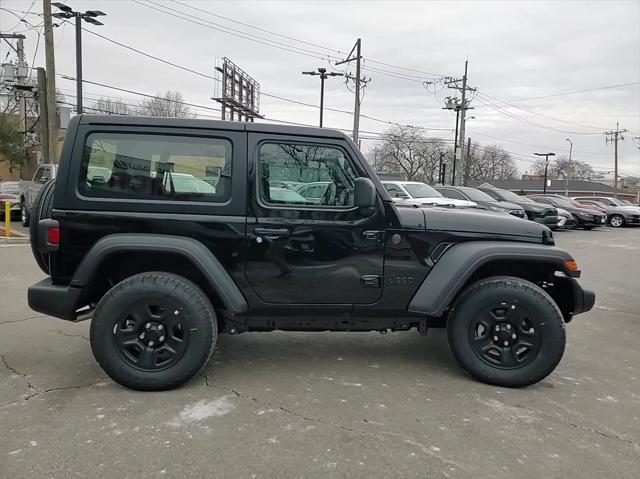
415,193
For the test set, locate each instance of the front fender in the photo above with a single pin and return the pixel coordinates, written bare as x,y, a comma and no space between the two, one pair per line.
459,262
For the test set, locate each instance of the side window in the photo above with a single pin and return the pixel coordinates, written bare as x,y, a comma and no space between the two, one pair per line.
156,167
299,174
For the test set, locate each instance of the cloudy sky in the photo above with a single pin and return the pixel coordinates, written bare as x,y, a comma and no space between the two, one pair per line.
544,71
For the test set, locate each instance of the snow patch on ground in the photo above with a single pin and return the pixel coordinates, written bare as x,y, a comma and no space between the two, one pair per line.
202,410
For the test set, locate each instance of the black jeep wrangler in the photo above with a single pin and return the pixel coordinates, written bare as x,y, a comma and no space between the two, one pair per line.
169,232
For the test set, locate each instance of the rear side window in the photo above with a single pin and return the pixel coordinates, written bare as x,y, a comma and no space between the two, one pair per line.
156,167
452,194
305,175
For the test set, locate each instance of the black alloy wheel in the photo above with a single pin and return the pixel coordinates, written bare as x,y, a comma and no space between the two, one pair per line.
153,335
506,331
153,331
504,337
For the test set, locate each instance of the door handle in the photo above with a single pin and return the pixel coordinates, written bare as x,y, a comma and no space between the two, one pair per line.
272,233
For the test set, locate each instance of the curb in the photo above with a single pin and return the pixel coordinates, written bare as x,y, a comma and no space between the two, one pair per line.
14,240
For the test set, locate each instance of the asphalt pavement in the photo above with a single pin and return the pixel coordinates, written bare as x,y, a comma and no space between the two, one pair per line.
293,405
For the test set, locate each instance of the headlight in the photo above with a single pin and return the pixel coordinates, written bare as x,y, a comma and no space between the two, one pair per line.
583,215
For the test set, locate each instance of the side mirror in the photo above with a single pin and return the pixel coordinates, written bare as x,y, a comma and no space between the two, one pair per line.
364,193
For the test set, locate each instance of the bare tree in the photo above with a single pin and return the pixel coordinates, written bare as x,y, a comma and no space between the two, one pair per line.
406,151
491,162
108,106
574,169
171,104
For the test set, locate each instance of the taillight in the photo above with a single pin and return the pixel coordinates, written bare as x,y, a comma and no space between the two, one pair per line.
53,236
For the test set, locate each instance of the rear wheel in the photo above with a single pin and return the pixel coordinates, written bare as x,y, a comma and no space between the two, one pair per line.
153,331
41,209
506,331
616,221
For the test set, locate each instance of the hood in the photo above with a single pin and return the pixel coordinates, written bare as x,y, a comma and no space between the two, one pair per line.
473,221
563,212
435,200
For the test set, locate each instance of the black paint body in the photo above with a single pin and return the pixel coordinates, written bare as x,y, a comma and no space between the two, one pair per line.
296,267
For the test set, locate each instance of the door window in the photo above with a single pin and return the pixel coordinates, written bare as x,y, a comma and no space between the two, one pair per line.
156,167
297,174
41,175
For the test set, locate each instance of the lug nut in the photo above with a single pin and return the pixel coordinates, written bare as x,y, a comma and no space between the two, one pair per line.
495,338
148,325
151,343
513,336
160,327
161,338
176,312
508,326
142,336
506,343
497,328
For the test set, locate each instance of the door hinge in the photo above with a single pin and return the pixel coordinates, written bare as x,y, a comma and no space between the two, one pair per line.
371,280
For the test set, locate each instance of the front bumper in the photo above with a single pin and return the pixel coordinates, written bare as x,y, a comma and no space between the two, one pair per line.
583,299
632,219
599,221
54,300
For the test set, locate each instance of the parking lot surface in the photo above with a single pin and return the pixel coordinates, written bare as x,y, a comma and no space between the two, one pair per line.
328,404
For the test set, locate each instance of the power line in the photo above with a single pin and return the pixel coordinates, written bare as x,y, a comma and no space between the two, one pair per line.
540,114
572,92
535,145
529,122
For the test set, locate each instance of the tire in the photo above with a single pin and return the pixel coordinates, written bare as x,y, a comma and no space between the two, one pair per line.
533,317
587,227
120,322
41,209
24,215
616,221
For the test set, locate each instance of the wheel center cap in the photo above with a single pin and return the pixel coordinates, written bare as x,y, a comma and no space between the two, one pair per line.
152,334
504,334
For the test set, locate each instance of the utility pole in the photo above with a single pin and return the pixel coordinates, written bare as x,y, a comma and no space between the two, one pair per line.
18,77
44,117
52,111
546,168
614,137
67,12
357,48
566,173
441,162
467,164
461,108
322,72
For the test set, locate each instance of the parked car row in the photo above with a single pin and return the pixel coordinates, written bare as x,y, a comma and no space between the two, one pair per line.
554,211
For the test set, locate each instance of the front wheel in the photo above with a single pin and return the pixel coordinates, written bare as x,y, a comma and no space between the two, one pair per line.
153,331
506,331
616,221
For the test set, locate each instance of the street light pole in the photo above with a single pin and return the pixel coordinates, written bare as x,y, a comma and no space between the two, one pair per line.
546,167
66,12
322,73
566,173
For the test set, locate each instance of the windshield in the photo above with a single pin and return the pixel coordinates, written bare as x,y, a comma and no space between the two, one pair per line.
563,203
420,190
477,195
510,196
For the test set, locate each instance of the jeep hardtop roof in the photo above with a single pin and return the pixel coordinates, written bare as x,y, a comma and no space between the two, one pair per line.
211,124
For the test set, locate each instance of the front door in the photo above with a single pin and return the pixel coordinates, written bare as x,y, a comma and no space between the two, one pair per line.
307,242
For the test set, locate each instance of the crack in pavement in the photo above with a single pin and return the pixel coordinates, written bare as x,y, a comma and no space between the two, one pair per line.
17,373
62,333
405,438
23,319
39,392
35,391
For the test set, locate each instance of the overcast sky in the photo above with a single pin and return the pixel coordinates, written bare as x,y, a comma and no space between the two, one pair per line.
516,50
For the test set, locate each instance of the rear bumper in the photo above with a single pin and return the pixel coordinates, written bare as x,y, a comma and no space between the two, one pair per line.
54,300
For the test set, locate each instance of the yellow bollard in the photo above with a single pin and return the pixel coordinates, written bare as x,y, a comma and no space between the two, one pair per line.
7,219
